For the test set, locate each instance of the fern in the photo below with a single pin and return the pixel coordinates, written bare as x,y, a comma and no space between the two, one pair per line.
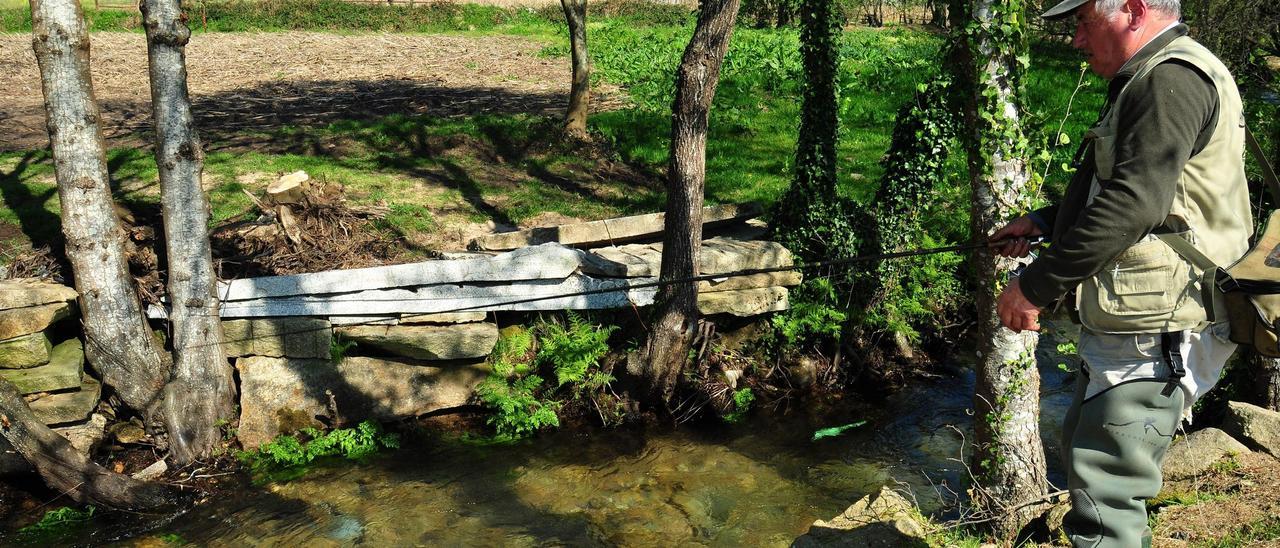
286,456
574,349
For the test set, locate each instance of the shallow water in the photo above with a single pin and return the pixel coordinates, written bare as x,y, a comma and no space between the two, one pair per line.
758,484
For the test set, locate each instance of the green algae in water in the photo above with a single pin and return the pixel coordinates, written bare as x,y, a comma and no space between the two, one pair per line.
836,430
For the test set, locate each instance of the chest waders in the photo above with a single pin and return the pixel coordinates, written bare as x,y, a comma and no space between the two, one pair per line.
1114,441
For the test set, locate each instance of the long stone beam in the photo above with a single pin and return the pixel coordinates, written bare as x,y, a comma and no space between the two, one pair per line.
549,261
607,231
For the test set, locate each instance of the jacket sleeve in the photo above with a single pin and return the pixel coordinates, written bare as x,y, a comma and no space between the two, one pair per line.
1160,124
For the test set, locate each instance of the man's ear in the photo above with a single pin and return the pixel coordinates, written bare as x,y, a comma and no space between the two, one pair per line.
1136,10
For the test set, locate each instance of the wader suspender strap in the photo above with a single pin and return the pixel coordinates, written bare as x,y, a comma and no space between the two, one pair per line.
1171,351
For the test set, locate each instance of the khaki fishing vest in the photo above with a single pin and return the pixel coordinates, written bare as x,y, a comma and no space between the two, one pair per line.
1150,288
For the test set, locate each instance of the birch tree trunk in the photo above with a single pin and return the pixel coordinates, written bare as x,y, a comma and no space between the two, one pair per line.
202,390
1009,460
699,73
118,341
63,468
575,118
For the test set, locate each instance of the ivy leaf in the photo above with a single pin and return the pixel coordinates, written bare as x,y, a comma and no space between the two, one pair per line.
1064,139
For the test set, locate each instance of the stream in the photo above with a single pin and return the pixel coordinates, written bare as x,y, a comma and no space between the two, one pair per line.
761,483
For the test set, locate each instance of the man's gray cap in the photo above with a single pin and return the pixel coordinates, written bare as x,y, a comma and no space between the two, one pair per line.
1063,9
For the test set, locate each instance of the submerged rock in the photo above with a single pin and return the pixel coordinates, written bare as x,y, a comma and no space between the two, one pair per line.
882,519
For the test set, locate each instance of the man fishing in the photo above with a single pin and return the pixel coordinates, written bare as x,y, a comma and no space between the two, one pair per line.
1165,160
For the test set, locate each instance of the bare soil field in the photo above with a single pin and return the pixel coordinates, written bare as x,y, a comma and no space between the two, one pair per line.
263,81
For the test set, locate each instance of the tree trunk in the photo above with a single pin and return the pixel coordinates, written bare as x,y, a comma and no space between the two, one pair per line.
200,365
696,80
65,469
118,342
1009,459
1265,374
575,118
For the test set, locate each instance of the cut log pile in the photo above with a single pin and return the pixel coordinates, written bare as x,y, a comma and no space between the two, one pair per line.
46,364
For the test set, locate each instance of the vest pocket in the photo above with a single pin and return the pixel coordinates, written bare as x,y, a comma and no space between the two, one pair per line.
1145,284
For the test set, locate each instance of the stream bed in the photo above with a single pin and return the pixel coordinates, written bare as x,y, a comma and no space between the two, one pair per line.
761,483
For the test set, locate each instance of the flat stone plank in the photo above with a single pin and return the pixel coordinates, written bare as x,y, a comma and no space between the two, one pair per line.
607,231
64,407
278,337
522,296
718,256
365,320
28,292
744,302
25,352
790,278
427,342
282,395
64,370
16,322
550,261
443,318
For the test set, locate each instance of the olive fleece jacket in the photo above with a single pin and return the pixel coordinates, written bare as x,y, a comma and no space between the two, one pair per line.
1172,121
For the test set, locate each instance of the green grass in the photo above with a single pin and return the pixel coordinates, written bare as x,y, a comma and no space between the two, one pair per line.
510,168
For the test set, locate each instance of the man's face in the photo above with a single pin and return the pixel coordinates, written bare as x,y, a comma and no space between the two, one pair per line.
1102,39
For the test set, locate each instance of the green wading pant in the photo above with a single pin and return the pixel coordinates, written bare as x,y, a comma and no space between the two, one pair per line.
1114,443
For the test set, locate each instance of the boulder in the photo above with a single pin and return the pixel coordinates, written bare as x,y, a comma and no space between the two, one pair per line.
28,292
63,407
85,436
288,189
1255,425
1196,453
744,302
882,519
280,396
427,342
16,322
64,370
25,351
718,256
278,337
607,231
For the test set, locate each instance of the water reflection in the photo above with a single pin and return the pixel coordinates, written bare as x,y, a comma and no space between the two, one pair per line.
760,484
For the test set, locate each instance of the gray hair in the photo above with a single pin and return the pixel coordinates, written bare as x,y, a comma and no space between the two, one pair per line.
1168,7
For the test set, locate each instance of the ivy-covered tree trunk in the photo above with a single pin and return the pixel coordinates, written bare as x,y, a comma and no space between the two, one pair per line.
575,118
202,391
672,334
809,219
118,341
1008,461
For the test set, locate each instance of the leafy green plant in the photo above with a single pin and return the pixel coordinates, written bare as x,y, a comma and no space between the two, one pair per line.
510,392
56,525
742,400
814,316
338,348
287,456
574,348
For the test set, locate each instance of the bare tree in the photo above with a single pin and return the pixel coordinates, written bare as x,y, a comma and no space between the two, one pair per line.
696,80
1009,459
202,390
575,118
65,469
118,342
